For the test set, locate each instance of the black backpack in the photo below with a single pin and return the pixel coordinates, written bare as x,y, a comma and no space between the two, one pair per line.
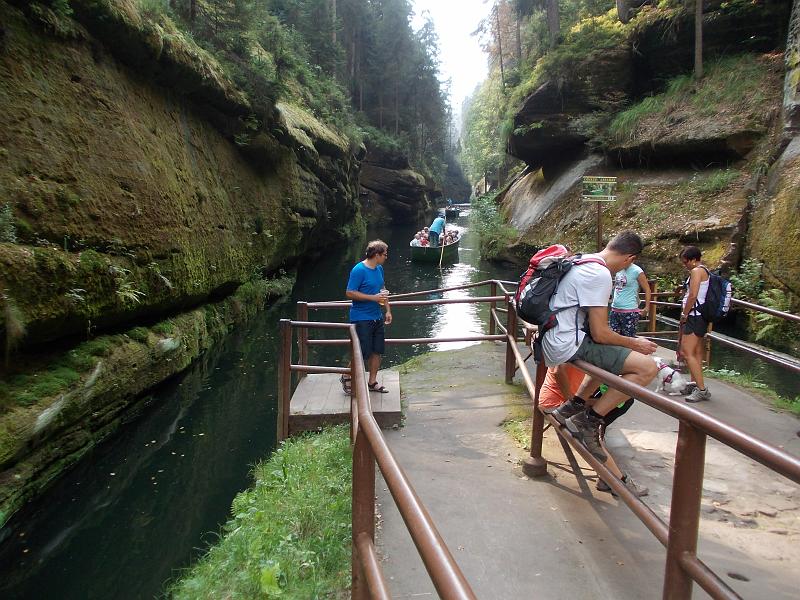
718,298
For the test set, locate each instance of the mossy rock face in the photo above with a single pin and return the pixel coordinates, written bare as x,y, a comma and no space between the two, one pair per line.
48,432
775,226
130,202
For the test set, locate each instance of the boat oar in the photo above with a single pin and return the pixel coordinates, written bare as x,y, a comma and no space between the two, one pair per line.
441,255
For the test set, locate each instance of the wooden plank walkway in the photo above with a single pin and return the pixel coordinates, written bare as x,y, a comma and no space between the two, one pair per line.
319,400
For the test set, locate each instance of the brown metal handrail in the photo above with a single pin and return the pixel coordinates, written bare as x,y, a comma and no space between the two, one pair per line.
369,448
680,535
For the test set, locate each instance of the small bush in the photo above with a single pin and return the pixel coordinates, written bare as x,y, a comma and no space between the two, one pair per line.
8,231
748,283
164,327
139,334
494,233
717,182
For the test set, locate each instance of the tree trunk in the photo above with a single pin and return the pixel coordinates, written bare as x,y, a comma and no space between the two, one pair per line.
791,91
623,11
500,47
519,36
192,10
396,107
333,21
698,39
553,23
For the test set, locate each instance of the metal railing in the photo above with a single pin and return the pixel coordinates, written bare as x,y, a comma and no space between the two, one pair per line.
679,536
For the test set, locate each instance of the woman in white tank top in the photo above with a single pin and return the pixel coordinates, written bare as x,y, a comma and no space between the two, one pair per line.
693,326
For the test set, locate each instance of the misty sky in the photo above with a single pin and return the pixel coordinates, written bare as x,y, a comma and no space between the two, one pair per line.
460,54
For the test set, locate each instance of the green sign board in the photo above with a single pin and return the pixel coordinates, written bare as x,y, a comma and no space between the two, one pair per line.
599,189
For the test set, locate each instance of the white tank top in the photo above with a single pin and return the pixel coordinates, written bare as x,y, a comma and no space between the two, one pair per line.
701,295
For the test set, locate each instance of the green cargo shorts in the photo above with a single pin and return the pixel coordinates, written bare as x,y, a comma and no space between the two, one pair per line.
605,356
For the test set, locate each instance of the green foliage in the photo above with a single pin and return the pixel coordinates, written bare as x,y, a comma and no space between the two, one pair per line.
8,231
164,327
483,144
775,330
290,533
493,232
717,181
139,334
748,282
153,8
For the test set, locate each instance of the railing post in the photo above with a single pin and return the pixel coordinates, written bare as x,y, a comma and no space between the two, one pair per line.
708,345
363,508
684,515
302,337
535,465
651,326
284,380
492,307
511,330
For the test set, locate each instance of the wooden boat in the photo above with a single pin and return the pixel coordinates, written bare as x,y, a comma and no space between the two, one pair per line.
427,254
451,212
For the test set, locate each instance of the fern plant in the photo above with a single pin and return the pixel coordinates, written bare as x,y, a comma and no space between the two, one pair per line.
772,329
748,282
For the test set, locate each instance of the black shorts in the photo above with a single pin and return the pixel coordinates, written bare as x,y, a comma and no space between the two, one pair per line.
695,325
370,337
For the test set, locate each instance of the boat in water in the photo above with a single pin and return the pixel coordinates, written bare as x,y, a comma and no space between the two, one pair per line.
451,212
448,254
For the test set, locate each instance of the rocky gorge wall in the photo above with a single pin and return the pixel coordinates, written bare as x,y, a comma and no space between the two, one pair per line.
691,164
137,190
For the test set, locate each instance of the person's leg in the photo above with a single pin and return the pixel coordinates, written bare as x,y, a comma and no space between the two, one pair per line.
378,344
691,349
637,368
374,363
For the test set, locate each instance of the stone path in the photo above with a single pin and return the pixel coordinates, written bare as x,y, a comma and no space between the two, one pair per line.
557,536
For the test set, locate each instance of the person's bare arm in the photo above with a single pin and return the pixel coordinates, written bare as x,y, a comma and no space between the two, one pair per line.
645,285
695,278
362,297
387,319
603,334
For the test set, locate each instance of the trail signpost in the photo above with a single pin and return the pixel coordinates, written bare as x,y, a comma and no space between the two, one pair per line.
599,190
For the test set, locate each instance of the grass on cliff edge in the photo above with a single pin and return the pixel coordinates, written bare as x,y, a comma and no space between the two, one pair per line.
734,81
290,533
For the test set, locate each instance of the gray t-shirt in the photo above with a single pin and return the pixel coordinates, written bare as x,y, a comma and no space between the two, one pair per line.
584,285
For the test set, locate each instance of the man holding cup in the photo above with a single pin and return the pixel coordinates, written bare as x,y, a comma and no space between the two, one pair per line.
366,289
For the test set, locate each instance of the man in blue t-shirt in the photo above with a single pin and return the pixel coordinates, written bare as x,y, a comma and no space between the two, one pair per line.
366,289
436,229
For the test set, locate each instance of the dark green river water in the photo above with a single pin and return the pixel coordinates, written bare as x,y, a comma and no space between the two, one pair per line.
148,502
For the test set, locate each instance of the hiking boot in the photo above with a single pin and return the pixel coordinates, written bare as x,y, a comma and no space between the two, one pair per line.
566,410
636,489
698,395
690,387
587,429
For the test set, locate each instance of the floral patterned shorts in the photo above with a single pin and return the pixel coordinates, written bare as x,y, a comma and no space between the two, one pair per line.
624,323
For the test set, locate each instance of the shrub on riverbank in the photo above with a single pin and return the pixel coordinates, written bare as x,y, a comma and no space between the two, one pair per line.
290,533
494,233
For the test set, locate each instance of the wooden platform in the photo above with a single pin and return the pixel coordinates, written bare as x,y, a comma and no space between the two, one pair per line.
319,400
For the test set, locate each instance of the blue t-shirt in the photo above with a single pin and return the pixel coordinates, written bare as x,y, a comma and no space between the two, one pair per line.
437,225
367,281
626,288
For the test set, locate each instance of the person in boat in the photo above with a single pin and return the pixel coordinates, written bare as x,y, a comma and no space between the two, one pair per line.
424,241
366,289
436,229
416,240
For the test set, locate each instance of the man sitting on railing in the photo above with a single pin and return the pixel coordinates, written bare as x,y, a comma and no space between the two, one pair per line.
581,299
